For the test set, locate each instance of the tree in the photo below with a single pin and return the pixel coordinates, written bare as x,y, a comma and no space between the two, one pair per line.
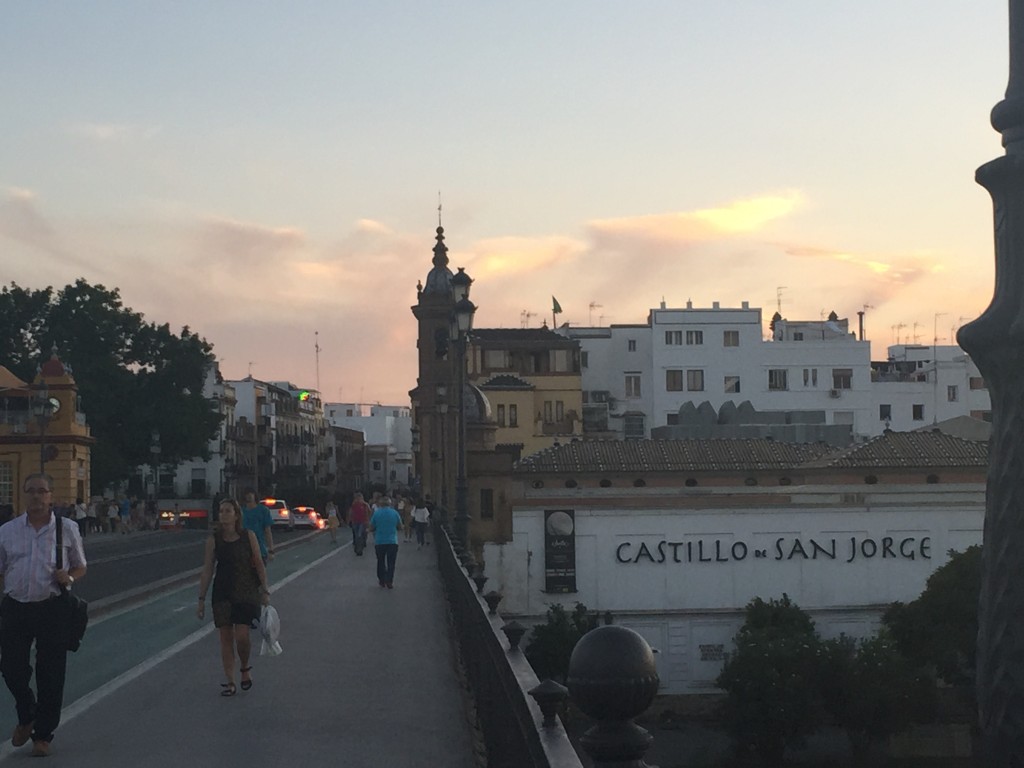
551,643
939,628
772,679
872,691
133,377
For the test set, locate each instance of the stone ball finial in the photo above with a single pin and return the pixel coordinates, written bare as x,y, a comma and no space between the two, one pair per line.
612,674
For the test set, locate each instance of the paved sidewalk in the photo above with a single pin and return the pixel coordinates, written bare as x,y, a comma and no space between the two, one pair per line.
366,679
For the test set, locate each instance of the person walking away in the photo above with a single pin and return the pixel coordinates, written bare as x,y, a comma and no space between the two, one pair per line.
93,516
358,518
239,588
125,511
257,518
82,516
332,521
29,614
420,517
113,514
385,525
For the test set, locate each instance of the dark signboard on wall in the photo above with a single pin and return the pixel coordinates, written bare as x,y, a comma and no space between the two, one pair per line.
559,550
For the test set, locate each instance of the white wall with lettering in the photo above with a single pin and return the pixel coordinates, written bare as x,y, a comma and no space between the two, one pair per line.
683,576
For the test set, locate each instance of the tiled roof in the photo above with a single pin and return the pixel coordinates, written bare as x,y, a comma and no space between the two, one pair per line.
670,455
521,335
909,449
506,381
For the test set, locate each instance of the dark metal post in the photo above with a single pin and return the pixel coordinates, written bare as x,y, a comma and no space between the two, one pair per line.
996,343
461,488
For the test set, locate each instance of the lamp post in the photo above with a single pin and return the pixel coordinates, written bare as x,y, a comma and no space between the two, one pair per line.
42,410
461,325
154,448
442,410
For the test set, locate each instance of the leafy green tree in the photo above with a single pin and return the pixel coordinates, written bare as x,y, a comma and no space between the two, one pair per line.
551,643
872,691
939,628
771,679
133,376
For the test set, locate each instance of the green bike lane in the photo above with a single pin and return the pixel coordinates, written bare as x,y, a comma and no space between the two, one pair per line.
129,640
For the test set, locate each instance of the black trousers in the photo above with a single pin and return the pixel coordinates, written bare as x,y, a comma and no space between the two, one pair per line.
21,624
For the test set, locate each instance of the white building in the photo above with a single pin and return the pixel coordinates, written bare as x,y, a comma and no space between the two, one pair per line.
635,377
674,538
388,433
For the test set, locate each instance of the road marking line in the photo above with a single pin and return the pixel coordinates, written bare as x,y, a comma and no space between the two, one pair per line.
83,704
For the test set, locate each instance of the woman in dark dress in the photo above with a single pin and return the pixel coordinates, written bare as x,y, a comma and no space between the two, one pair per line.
239,588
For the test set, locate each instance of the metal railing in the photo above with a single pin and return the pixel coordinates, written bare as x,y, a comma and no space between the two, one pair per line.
516,733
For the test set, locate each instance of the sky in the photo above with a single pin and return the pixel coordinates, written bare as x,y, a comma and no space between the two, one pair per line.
269,174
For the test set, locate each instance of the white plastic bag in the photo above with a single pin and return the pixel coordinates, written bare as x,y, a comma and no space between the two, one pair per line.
270,628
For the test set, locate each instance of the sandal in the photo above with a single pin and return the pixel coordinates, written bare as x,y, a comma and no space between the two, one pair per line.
246,684
229,689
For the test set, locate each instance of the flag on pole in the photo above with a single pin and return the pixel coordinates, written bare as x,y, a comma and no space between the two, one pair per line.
556,308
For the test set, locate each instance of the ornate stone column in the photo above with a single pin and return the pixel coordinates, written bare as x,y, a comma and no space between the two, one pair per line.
996,342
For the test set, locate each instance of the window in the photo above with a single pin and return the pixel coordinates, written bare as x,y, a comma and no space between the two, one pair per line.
695,381
673,381
977,382
513,415
495,358
842,378
777,379
199,482
6,482
732,385
885,412
584,359
559,410
632,385
673,338
811,377
548,411
798,336
952,393
633,424
843,417
377,466
730,338
672,419
486,503
693,338
501,415
631,345
918,409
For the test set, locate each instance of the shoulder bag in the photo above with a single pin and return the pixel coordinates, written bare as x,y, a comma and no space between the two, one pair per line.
75,610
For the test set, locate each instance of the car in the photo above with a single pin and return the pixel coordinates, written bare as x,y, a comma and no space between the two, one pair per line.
280,514
306,517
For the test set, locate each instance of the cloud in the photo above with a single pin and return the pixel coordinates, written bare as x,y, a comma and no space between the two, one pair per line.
738,217
243,243
22,221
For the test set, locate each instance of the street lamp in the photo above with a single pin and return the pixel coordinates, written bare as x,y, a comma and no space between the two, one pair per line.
42,409
461,325
154,448
442,410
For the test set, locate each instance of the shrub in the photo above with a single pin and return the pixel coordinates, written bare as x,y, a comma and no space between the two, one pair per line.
771,680
872,691
551,643
939,629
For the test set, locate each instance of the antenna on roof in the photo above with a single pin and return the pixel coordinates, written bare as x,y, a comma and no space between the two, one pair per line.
593,305
439,207
524,318
316,346
778,298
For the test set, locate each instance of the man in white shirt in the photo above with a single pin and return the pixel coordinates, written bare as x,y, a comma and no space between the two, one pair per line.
31,613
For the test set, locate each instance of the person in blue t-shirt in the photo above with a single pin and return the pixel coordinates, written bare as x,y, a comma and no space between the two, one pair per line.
385,525
256,518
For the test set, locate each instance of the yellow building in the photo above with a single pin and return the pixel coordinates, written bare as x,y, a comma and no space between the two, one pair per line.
531,377
41,426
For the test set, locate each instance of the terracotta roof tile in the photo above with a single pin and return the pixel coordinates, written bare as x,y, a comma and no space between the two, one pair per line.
670,455
909,449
